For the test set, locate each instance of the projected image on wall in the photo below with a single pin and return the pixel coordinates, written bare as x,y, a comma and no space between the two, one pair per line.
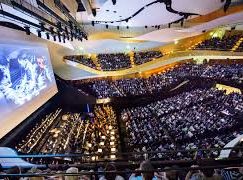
25,74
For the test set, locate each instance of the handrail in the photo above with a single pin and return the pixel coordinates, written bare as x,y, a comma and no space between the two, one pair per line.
117,153
122,172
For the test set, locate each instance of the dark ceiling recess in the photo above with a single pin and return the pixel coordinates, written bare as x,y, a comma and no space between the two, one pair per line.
80,6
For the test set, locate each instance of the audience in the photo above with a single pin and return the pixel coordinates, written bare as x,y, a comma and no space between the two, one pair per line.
143,57
87,61
112,62
225,43
200,118
160,82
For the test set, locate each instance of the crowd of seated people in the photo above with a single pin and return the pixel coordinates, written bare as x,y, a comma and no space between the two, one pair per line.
201,118
74,133
112,62
146,170
143,57
226,43
87,61
162,81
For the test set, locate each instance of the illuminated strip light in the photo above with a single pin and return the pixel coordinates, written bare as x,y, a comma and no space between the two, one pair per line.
41,127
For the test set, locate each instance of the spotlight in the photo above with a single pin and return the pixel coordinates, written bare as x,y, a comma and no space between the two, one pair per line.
85,36
66,30
113,2
39,33
71,35
76,29
70,25
64,38
227,5
182,22
42,26
47,36
59,36
94,12
106,26
52,30
27,30
59,26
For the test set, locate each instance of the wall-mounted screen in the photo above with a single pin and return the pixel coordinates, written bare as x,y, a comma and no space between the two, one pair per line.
26,82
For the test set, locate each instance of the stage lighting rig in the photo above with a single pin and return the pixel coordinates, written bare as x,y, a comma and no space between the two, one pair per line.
27,30
47,36
51,30
39,33
42,26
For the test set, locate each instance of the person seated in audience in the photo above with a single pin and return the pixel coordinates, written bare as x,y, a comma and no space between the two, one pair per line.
147,175
72,170
110,174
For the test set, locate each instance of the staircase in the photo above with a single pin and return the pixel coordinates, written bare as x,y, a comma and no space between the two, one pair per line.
237,44
194,45
95,60
131,54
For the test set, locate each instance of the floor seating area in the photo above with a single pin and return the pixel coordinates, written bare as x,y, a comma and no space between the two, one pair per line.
201,118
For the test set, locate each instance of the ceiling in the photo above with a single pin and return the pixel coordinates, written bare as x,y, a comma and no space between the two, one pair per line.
153,12
133,34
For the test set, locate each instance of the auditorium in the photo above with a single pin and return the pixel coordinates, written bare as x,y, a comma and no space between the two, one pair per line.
121,89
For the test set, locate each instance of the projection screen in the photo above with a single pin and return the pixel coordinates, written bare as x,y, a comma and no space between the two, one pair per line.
26,82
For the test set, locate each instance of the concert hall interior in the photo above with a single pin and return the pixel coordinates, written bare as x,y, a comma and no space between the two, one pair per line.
121,89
